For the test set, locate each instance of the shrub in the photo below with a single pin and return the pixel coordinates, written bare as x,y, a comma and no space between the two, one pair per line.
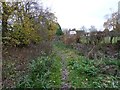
59,31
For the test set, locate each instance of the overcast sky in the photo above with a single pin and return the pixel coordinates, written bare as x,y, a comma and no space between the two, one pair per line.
76,13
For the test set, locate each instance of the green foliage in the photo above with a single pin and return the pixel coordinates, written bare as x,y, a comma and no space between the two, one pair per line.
38,74
55,77
44,72
107,39
59,31
85,67
85,73
103,81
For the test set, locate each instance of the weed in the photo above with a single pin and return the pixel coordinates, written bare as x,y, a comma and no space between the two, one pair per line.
42,73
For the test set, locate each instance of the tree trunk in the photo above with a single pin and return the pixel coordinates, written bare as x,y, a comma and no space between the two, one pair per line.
4,24
111,38
4,18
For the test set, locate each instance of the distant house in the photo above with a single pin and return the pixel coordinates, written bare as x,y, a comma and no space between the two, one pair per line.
72,32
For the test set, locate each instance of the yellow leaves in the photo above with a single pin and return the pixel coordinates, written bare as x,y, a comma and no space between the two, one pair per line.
24,33
27,29
40,17
52,28
15,41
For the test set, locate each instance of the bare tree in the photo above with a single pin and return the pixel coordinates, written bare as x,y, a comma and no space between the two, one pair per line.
112,23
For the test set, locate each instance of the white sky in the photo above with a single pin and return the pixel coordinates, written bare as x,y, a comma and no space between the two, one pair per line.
76,13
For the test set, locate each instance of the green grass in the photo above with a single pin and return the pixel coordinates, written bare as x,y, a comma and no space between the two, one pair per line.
55,77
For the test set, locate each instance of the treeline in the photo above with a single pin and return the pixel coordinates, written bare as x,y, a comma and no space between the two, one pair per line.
26,22
27,33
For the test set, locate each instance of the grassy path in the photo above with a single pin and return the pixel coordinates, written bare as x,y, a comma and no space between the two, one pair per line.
65,54
65,69
64,72
80,72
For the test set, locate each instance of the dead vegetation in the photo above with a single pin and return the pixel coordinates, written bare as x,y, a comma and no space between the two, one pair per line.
94,45
16,59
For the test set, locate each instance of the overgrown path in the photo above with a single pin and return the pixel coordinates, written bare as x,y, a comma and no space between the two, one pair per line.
64,71
65,68
65,54
80,72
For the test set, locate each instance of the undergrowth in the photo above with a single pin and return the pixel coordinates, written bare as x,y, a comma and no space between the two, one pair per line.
44,72
85,73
